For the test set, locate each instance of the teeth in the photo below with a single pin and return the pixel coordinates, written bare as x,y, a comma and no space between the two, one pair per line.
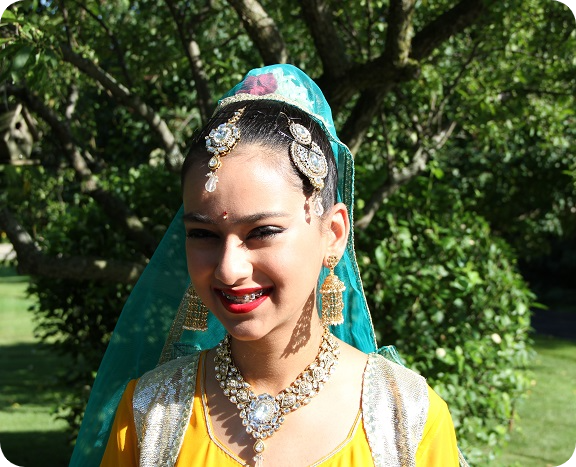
244,298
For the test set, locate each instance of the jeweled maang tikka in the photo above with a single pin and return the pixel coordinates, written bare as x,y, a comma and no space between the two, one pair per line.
219,142
305,153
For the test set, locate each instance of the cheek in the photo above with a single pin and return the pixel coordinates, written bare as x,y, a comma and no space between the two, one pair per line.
302,263
199,263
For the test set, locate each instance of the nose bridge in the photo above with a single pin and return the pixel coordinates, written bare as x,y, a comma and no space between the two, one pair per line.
233,262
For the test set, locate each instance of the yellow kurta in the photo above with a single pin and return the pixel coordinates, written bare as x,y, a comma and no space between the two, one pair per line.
200,447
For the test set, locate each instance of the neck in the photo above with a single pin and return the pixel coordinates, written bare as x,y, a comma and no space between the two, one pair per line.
273,362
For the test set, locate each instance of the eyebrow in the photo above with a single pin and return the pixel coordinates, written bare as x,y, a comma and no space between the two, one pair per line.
248,219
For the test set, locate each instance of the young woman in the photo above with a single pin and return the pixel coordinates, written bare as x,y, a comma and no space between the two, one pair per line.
278,363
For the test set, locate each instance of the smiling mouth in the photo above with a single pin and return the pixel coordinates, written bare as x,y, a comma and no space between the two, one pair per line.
242,299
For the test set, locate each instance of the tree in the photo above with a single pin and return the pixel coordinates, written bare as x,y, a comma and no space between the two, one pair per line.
458,112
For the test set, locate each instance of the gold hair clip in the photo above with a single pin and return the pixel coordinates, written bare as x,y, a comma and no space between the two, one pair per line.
219,142
310,160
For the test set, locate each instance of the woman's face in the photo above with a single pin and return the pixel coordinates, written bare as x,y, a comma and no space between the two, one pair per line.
254,252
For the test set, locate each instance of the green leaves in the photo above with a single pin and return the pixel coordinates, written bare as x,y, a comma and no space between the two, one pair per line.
21,57
492,110
444,289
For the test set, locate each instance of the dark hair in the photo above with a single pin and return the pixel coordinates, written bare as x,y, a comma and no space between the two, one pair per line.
266,122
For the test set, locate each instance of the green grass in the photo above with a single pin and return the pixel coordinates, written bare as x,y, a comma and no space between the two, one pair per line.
29,433
544,432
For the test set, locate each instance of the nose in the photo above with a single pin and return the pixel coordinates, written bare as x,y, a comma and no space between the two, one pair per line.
234,263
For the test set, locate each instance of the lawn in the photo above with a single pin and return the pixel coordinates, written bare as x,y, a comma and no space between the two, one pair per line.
29,434
544,434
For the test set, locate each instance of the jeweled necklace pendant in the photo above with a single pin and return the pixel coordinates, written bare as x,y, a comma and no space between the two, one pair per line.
263,415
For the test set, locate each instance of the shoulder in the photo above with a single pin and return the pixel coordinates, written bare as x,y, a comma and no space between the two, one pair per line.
394,406
438,411
389,384
169,371
163,384
380,370
163,398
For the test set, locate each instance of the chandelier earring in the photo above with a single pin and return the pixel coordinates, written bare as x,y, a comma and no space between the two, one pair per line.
331,291
196,312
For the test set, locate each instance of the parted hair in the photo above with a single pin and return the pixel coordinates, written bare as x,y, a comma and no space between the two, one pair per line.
266,122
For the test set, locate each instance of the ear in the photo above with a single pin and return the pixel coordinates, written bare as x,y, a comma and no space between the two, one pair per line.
338,226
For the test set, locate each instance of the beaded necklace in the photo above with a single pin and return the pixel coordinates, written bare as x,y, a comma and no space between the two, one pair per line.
262,415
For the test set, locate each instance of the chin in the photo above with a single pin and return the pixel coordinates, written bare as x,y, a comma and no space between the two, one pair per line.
246,332
253,330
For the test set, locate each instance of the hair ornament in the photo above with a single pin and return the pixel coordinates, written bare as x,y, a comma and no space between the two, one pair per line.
219,142
310,161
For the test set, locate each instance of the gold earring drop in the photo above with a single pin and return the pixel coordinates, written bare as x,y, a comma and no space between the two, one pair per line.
196,312
331,291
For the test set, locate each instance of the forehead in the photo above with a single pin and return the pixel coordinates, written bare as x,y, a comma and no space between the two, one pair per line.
251,177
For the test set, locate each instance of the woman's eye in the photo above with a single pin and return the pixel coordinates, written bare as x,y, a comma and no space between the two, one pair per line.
200,234
265,232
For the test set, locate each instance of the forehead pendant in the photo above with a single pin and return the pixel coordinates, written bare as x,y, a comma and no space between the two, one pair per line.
219,142
310,161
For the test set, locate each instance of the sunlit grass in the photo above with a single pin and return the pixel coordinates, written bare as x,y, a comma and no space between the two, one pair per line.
15,319
29,433
545,431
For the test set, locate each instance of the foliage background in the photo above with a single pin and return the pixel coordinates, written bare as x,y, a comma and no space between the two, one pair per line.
460,114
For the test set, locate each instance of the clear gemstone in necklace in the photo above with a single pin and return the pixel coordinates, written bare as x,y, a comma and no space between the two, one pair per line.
262,415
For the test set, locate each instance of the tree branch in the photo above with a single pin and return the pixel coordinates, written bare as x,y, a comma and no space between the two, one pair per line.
374,79
359,121
382,72
392,184
397,178
32,261
399,32
327,39
448,24
72,101
192,50
174,156
375,75
112,205
115,44
262,30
